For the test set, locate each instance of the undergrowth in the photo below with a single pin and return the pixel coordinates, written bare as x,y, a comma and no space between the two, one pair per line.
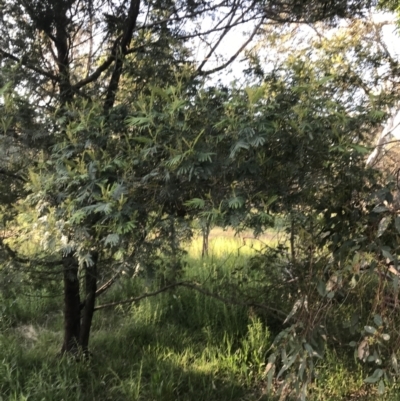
181,345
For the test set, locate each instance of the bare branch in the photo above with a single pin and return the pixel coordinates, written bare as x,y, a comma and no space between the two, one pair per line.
226,29
233,301
106,285
217,29
182,17
234,57
196,287
103,67
137,299
28,65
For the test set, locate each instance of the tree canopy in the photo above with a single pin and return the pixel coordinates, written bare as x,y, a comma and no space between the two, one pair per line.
115,141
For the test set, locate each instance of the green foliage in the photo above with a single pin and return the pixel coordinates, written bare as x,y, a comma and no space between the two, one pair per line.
177,346
119,152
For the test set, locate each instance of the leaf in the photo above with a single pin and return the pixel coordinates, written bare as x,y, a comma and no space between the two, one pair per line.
380,209
176,160
378,373
395,365
236,202
378,320
363,350
308,348
142,139
5,88
126,227
195,203
289,362
302,367
118,190
381,387
324,80
271,200
86,259
77,217
397,224
103,208
386,254
139,121
112,239
361,149
383,225
270,376
321,288
257,141
238,145
370,329
295,308
270,370
205,156
311,351
254,94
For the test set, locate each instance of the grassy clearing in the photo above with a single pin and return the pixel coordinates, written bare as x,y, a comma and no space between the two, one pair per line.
176,346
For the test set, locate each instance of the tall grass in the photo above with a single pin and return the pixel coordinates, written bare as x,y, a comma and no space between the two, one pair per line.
180,345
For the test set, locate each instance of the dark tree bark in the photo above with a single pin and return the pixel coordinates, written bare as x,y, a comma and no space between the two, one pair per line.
89,303
122,49
72,306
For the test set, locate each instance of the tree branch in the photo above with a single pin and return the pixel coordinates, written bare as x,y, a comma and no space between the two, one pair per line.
23,260
137,299
29,66
103,67
121,53
182,17
226,29
196,287
234,57
106,285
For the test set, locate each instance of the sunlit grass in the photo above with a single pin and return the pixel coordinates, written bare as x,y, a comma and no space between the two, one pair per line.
179,346
225,243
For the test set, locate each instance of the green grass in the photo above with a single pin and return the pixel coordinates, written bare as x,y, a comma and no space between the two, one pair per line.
179,346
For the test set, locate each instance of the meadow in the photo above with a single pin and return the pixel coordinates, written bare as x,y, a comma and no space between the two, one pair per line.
179,345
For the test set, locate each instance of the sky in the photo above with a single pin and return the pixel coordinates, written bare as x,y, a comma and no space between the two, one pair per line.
238,35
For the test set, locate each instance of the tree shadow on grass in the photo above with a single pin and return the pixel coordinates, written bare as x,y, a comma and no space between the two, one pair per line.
143,363
152,377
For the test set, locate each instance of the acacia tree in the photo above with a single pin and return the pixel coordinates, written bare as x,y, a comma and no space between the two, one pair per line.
80,66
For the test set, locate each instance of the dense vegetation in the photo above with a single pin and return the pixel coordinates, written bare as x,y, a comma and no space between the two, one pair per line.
119,147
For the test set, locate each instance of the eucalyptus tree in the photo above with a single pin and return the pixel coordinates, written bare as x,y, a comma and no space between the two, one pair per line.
322,101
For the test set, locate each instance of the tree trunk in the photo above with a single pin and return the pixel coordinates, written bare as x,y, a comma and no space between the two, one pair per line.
89,303
72,312
205,229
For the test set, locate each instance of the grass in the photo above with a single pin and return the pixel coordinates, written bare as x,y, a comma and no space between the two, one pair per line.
179,346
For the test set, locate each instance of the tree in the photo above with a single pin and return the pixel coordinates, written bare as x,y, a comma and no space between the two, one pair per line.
84,68
342,264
